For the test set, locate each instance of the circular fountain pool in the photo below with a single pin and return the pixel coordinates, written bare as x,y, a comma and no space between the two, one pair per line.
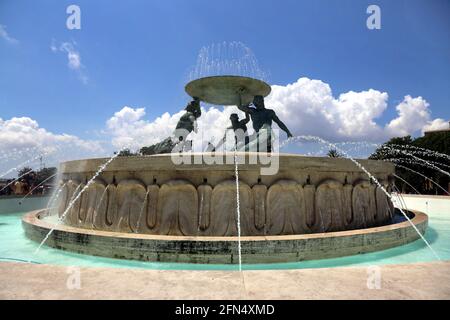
222,250
153,209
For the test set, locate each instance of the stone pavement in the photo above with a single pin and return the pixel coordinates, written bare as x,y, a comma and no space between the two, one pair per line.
410,281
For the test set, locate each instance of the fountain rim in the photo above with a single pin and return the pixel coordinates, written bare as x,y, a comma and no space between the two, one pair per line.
35,218
221,250
164,162
259,87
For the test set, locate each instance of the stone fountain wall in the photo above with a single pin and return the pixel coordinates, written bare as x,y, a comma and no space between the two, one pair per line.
151,195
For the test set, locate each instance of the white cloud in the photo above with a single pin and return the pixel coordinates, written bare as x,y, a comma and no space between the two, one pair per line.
6,36
436,124
18,135
129,128
73,58
413,115
307,107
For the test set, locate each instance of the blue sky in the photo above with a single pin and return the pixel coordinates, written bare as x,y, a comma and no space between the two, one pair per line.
137,53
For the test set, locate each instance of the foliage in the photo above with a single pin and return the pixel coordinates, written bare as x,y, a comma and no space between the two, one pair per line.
33,177
333,153
405,152
26,174
127,153
46,173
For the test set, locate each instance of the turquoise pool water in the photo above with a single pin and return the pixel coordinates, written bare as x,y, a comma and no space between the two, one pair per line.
14,246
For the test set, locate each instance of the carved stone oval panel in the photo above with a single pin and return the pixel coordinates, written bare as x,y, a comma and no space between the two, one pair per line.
177,209
90,202
131,196
363,205
286,211
224,210
204,206
329,206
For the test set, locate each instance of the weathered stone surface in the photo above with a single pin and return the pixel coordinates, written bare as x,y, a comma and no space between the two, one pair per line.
384,206
361,205
259,193
309,192
90,204
224,210
131,204
204,206
177,208
151,195
152,206
330,206
255,249
67,194
286,209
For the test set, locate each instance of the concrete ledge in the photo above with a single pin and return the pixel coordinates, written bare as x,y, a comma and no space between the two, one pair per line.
223,250
249,161
411,281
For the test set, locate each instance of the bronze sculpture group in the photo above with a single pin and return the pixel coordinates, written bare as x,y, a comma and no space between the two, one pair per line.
261,118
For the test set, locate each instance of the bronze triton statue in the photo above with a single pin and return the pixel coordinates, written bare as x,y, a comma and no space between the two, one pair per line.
225,90
239,128
262,119
186,124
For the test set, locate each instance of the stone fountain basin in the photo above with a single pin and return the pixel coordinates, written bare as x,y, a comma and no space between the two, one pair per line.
227,90
152,195
222,250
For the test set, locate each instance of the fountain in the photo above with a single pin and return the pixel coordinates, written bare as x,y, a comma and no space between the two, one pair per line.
246,203
228,210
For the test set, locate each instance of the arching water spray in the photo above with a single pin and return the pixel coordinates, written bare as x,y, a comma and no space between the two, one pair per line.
54,197
430,161
415,162
31,191
238,205
24,163
17,179
424,176
426,151
72,202
101,199
138,224
15,154
425,162
409,184
226,58
371,177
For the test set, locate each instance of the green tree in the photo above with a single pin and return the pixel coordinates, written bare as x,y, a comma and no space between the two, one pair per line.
403,152
27,174
127,153
44,175
333,153
380,153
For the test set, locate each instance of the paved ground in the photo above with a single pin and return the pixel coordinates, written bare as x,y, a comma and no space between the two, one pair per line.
412,281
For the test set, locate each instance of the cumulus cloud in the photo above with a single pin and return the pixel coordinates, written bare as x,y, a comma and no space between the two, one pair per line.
21,138
129,128
413,115
6,36
307,107
73,58
436,124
